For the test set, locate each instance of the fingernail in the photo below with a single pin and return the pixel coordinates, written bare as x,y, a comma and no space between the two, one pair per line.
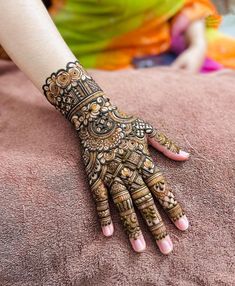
170,241
165,245
138,245
183,153
107,229
182,223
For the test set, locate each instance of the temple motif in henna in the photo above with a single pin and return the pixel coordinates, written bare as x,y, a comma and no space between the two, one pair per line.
115,152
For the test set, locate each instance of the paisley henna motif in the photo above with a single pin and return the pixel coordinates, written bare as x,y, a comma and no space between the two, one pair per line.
115,152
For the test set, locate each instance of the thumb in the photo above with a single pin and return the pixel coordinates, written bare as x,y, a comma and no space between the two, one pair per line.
166,146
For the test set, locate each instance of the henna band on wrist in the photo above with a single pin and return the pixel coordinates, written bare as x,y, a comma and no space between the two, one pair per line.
70,89
115,152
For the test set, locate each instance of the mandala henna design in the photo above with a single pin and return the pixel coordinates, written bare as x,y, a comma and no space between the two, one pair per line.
70,88
115,152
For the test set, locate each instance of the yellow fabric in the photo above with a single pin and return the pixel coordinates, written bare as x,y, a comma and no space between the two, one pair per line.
107,34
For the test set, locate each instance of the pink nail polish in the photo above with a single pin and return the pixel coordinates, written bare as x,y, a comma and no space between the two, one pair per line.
138,244
182,223
108,230
165,246
170,241
183,153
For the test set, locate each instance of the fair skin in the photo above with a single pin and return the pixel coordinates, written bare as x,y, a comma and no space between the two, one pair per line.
191,60
31,39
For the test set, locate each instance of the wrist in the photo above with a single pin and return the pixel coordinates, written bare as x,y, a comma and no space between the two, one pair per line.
70,89
199,45
195,34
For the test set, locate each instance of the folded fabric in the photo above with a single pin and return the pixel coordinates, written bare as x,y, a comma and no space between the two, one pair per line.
47,237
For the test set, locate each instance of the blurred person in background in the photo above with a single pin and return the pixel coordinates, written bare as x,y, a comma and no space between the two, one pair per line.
112,34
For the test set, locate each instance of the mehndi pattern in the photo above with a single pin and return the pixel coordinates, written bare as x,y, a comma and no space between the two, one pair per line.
115,152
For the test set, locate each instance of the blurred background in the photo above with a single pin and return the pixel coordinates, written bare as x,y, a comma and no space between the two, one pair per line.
227,8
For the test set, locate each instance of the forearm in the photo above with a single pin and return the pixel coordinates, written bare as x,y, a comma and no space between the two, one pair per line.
31,39
195,34
114,145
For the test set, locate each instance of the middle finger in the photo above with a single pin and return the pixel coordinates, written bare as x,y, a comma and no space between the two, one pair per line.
143,199
124,204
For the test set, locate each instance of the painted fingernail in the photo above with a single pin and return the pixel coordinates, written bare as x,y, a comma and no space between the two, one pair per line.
170,241
165,245
183,153
108,230
182,223
138,244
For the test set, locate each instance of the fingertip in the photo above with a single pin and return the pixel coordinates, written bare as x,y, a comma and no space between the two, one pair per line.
184,155
165,245
181,156
182,223
108,229
139,244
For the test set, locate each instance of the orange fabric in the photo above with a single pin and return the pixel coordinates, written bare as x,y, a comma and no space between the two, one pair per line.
153,37
221,48
200,9
146,40
56,6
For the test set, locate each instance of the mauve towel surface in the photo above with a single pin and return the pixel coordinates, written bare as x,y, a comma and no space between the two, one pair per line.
49,231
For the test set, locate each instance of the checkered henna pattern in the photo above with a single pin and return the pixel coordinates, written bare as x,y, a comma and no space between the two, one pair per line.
115,152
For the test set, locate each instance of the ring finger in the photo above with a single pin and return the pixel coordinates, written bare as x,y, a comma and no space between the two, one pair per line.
158,186
143,200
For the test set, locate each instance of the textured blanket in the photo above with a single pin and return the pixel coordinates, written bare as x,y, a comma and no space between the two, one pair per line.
49,231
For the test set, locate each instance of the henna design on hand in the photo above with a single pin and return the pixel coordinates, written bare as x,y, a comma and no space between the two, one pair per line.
115,152
164,141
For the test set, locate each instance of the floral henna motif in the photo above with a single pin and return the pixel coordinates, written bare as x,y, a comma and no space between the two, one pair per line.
115,151
70,88
123,201
157,184
100,195
164,141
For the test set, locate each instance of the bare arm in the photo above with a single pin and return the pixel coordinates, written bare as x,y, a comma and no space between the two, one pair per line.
31,39
196,34
193,57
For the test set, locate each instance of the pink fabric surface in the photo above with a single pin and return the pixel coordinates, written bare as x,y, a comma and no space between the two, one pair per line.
49,231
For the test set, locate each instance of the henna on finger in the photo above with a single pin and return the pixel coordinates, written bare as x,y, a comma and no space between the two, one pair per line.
157,184
126,167
143,200
124,204
115,151
164,141
100,195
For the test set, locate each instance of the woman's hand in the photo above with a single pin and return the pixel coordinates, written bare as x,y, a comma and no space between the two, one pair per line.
191,59
108,136
190,35
116,156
